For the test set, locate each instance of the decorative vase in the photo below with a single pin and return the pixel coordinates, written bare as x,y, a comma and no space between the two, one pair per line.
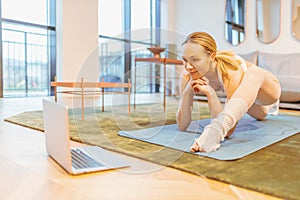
156,51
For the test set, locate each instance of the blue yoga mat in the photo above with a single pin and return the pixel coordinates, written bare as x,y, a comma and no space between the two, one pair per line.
250,135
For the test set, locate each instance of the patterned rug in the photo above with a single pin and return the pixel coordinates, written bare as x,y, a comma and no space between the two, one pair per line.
274,170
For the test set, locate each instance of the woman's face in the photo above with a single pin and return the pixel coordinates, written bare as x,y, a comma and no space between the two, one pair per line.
196,60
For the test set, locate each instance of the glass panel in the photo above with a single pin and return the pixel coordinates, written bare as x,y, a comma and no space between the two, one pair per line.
111,50
33,11
296,19
113,39
141,19
235,21
268,20
110,17
25,47
25,61
141,31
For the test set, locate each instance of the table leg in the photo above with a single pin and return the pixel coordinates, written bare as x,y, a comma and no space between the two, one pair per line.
129,87
55,93
165,87
55,90
102,93
134,92
82,100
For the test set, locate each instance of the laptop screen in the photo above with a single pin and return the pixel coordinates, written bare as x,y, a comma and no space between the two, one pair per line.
56,127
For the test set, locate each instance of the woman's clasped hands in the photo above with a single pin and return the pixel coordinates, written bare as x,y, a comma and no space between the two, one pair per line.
200,85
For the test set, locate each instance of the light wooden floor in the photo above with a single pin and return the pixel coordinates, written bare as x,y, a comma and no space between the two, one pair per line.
28,173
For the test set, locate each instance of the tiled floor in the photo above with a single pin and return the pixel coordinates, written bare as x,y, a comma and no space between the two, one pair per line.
28,173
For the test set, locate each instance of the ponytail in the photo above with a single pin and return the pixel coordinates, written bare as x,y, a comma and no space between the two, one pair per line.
226,60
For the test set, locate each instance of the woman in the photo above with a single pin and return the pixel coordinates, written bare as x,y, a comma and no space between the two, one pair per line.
249,89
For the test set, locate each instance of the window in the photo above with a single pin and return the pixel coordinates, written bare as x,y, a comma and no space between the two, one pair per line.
127,33
111,38
28,47
235,21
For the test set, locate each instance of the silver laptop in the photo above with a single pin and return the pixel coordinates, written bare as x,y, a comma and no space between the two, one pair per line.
81,160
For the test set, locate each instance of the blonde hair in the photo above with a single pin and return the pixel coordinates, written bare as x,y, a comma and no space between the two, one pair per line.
224,59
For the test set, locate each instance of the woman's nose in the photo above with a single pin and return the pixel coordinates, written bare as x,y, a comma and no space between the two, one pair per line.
189,66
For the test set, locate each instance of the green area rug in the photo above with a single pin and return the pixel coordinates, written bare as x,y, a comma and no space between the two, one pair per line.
274,170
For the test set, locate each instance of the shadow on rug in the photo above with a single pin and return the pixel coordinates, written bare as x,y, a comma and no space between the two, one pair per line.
274,170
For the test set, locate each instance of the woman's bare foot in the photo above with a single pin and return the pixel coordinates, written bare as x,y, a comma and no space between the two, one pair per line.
195,147
208,141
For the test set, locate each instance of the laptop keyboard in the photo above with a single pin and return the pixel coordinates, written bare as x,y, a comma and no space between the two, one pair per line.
82,160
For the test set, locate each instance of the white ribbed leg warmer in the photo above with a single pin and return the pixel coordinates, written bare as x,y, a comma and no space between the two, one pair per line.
215,132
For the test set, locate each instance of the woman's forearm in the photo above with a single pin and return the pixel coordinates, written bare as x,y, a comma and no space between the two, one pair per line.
214,103
184,112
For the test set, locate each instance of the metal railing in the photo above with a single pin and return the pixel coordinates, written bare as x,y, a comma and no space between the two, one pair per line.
26,68
112,62
25,63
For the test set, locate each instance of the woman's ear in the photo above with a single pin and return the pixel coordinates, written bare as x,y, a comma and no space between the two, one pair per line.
212,56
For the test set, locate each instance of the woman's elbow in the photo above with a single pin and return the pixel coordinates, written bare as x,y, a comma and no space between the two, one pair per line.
183,122
182,126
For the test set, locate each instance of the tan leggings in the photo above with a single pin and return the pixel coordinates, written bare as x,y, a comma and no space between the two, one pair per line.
260,89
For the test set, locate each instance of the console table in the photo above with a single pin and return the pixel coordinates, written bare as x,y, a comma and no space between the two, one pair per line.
83,85
165,62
